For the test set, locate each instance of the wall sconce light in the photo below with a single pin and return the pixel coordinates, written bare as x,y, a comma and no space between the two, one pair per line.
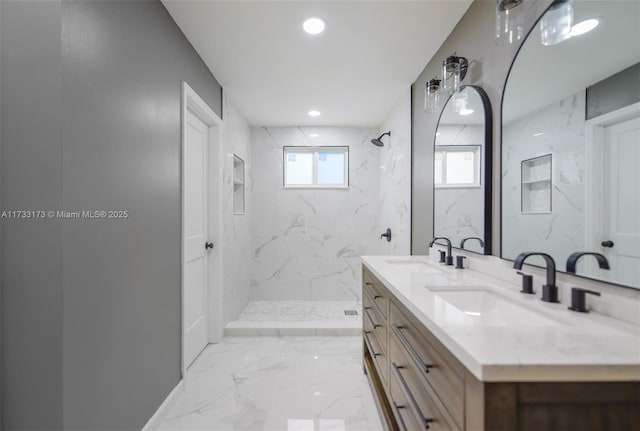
509,22
432,95
454,69
556,23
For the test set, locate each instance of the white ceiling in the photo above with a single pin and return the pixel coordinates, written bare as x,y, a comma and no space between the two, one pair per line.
354,73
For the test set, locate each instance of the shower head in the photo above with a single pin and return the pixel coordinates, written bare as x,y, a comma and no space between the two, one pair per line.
378,141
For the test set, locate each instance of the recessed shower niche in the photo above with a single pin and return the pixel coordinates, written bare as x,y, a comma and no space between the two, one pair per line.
536,185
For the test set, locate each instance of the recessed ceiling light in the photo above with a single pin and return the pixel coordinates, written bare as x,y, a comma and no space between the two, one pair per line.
315,135
314,113
313,25
584,27
466,111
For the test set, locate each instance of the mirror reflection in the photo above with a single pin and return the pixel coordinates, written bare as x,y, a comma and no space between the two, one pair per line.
460,171
571,145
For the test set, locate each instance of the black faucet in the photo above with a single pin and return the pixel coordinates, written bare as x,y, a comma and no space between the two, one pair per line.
449,260
603,263
549,290
472,237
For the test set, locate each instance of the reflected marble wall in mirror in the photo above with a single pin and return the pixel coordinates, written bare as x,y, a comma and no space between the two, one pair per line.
571,144
462,171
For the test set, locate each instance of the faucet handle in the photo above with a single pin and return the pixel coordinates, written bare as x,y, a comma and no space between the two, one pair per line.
579,299
443,255
527,283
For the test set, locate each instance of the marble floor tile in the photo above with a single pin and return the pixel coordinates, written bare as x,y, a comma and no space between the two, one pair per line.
283,384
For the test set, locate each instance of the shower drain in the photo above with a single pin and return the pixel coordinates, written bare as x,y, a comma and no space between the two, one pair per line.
350,312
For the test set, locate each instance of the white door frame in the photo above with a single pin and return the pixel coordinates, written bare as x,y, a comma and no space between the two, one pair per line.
594,176
194,103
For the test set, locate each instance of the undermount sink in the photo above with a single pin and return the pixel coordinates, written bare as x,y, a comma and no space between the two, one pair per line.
413,265
487,308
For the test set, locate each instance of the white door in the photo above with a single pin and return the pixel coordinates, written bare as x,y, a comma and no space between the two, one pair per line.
622,191
195,237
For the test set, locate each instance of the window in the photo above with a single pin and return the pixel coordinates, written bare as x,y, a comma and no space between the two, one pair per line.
316,167
456,166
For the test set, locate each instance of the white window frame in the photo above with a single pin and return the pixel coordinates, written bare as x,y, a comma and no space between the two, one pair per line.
477,163
314,176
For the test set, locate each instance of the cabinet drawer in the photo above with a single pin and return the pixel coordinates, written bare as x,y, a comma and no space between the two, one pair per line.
437,367
425,401
402,409
378,355
372,320
376,291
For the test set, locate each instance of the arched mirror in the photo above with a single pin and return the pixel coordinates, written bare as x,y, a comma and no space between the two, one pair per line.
462,171
571,145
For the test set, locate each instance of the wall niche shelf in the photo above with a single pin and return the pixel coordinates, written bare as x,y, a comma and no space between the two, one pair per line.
238,185
535,185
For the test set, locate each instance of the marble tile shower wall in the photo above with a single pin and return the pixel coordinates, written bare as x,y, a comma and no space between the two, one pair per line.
563,125
237,228
395,179
306,243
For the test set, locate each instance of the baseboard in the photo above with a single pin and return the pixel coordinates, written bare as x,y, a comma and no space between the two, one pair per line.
153,423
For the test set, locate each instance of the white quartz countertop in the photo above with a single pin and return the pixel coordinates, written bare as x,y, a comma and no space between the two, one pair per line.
500,334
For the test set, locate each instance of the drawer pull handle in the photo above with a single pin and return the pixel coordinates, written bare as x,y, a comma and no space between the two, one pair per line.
366,283
375,355
412,351
375,325
374,297
407,391
397,409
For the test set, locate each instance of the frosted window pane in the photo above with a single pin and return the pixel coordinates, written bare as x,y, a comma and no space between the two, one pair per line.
330,168
460,168
437,168
299,168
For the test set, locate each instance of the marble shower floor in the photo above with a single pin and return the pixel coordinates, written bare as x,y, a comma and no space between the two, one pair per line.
276,384
282,318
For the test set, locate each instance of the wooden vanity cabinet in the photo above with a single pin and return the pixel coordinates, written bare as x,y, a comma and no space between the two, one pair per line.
418,384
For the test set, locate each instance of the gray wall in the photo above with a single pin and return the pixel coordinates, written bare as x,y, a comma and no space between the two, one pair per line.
614,92
472,38
91,308
31,173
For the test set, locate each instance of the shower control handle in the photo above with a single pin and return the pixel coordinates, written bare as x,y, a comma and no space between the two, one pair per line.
387,234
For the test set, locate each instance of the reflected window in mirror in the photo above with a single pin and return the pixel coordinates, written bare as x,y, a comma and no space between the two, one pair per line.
577,104
461,167
456,166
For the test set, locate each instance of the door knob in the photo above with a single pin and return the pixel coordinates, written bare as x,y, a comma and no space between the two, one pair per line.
208,245
608,244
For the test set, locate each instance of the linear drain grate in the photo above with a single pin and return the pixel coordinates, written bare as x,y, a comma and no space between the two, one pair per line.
350,312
